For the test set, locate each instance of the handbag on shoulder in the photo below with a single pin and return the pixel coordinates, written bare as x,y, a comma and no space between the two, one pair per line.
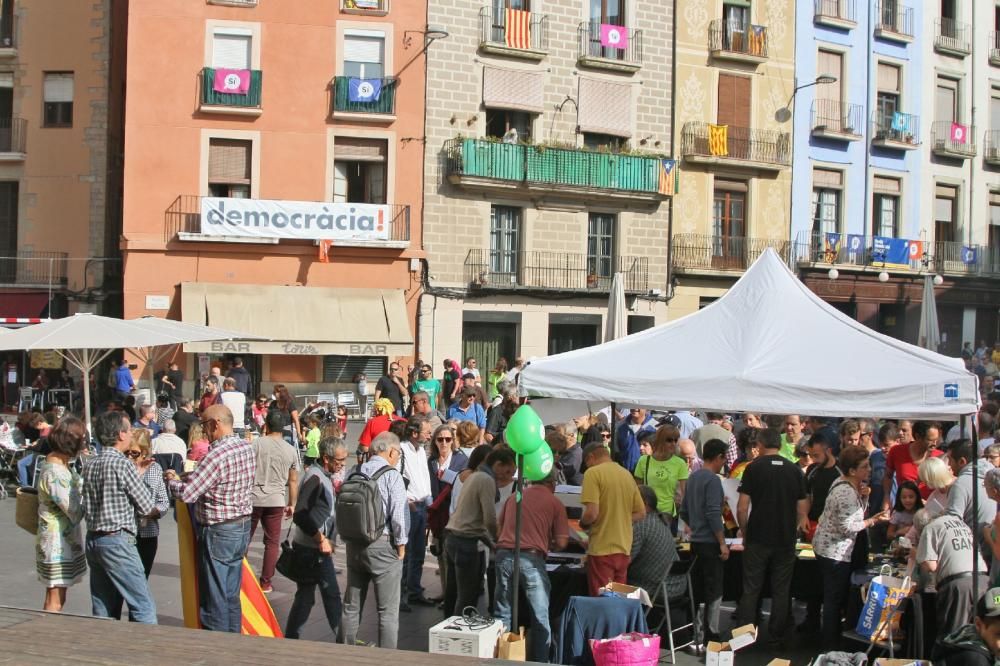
26,511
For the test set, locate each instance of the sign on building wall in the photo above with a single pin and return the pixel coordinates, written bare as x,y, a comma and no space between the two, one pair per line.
303,220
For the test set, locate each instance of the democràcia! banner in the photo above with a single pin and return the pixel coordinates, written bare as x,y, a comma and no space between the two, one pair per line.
302,220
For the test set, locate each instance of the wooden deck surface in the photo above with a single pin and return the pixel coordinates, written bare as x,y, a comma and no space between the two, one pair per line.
35,637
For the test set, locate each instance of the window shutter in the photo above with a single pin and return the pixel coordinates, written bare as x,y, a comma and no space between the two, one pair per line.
888,77
230,51
359,149
513,89
6,79
828,178
742,102
58,88
730,185
886,185
944,209
340,182
605,107
363,49
376,183
734,101
229,161
830,62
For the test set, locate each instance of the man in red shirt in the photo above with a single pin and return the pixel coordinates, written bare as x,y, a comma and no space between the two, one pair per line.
543,527
903,460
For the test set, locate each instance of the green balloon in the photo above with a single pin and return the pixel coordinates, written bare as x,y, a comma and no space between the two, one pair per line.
538,464
525,431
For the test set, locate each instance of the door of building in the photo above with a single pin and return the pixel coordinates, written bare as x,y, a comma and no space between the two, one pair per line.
567,337
487,342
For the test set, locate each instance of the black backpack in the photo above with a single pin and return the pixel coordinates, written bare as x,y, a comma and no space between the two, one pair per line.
360,516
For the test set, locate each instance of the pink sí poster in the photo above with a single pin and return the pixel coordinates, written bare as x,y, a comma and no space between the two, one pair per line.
232,81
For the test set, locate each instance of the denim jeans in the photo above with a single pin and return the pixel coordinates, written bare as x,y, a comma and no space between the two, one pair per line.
465,574
220,571
378,563
536,586
416,547
116,575
24,468
305,597
836,584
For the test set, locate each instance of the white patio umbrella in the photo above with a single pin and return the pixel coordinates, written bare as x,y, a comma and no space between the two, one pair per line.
929,333
85,340
616,325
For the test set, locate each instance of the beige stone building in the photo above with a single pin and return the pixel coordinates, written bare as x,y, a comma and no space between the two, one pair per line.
734,71
547,136
59,207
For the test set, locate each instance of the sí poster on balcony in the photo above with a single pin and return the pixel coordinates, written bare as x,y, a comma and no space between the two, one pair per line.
303,220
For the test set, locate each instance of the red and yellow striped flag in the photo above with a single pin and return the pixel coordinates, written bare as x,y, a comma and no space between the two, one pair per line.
718,140
517,34
258,616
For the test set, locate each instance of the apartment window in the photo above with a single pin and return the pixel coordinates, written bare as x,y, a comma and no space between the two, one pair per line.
828,190
736,23
830,62
729,210
57,88
946,99
231,48
890,15
601,245
498,27
945,213
611,12
888,93
364,56
512,126
604,142
229,163
8,218
359,170
505,239
994,238
734,101
995,109
885,206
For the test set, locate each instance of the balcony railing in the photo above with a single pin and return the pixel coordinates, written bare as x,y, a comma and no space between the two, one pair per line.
893,20
552,271
34,268
695,252
541,167
234,3
210,97
729,37
592,51
530,35
13,136
835,12
384,105
763,147
953,140
371,7
837,118
847,250
183,217
896,130
951,36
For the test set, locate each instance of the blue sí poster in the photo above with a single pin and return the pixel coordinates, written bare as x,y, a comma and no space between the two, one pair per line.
364,90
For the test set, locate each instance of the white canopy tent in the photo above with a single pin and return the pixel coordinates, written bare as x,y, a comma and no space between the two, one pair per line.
769,345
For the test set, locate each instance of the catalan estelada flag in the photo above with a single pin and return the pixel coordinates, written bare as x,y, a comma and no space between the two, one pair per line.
757,36
324,251
517,34
258,616
718,140
669,178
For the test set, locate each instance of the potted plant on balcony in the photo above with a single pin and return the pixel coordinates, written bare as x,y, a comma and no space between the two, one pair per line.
593,281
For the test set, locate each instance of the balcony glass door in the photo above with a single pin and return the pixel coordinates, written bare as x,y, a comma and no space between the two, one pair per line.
498,27
610,12
600,250
736,23
505,239
889,15
728,228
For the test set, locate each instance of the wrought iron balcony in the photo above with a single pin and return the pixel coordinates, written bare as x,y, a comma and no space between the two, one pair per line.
952,37
893,21
736,40
490,165
13,139
949,139
552,271
594,54
182,221
507,35
707,252
835,13
842,250
766,150
29,269
384,106
213,101
833,119
896,130
365,7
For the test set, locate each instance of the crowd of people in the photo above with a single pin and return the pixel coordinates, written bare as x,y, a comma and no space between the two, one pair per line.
435,456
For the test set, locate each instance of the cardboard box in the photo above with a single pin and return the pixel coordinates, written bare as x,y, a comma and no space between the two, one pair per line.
630,592
722,654
779,662
453,636
742,637
718,654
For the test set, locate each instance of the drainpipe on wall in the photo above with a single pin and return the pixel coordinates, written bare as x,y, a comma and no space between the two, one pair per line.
867,205
972,121
669,291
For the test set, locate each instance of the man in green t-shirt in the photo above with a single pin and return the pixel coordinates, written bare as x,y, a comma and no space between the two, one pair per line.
429,385
790,437
664,471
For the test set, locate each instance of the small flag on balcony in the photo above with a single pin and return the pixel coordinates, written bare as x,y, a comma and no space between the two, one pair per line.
959,133
669,180
614,36
757,37
232,81
916,249
718,140
968,255
364,90
516,34
832,244
324,251
900,122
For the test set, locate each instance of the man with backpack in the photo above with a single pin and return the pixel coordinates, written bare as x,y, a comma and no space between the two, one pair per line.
371,516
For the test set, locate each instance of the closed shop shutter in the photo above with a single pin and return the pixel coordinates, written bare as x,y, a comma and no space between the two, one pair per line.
341,369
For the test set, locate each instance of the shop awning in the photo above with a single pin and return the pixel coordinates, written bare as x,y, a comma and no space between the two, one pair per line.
24,304
300,320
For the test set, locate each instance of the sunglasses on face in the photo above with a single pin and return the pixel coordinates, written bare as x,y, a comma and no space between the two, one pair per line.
445,439
134,454
605,435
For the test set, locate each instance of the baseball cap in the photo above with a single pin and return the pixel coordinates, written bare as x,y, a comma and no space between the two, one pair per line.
989,604
670,419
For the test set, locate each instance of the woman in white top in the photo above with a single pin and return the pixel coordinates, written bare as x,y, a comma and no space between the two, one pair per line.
842,518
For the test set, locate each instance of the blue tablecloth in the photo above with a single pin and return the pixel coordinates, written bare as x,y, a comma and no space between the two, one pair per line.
595,617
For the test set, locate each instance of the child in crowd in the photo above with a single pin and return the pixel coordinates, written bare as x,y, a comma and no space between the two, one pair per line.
342,419
312,439
908,502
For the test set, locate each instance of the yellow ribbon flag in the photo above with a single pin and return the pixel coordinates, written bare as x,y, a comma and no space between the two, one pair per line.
718,140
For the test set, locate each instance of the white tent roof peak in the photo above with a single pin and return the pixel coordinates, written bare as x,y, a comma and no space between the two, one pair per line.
768,345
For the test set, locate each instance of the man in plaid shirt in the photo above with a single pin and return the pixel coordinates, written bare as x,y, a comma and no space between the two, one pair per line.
113,495
221,487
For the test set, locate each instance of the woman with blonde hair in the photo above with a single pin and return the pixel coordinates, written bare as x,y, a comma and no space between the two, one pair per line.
468,435
197,443
140,453
385,414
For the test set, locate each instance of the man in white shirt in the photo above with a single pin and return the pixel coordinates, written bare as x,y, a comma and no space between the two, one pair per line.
413,465
237,404
168,441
